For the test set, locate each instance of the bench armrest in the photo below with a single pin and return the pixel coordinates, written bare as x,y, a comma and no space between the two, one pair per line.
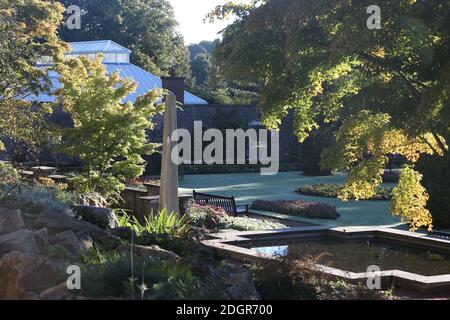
246,206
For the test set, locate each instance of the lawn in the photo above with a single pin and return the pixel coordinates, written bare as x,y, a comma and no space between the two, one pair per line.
247,187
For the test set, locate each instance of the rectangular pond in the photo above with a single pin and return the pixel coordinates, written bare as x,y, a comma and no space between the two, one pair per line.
356,255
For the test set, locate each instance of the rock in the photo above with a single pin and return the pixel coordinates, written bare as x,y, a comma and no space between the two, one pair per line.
22,275
21,240
101,217
60,222
69,241
151,251
85,239
124,233
42,238
239,284
10,220
59,292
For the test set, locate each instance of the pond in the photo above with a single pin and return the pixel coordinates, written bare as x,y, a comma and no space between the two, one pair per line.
356,255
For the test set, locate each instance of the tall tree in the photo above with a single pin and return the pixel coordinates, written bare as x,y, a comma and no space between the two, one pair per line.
147,27
389,87
110,151
28,31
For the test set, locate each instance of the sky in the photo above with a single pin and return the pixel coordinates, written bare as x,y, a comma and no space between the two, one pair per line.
190,15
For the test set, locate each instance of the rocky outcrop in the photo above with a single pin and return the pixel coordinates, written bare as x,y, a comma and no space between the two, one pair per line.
239,284
150,251
24,276
58,222
42,238
74,245
101,217
21,240
10,220
59,292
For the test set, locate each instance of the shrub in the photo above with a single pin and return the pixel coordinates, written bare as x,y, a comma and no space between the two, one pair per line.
215,218
35,199
144,278
332,191
300,208
206,216
249,224
157,227
8,174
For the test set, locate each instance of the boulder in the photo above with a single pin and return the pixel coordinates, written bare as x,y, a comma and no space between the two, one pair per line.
21,240
22,275
85,239
69,241
10,220
239,284
101,217
60,222
125,233
42,238
59,292
150,251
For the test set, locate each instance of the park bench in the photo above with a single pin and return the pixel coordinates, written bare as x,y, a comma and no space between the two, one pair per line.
226,203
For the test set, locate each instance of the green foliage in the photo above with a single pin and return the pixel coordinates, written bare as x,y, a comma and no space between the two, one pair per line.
312,210
215,218
8,174
155,279
275,279
388,88
333,191
146,27
436,177
249,224
410,199
156,226
27,33
111,152
34,199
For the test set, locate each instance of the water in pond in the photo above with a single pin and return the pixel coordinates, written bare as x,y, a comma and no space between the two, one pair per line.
357,255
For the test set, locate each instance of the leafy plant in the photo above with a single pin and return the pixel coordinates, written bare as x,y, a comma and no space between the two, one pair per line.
111,278
313,210
35,199
110,151
8,174
215,218
333,191
387,91
156,226
249,224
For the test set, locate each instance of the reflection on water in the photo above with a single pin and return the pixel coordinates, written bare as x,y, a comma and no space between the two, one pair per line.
357,255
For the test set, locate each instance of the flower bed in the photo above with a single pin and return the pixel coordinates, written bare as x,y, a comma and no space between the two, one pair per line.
332,191
215,218
300,208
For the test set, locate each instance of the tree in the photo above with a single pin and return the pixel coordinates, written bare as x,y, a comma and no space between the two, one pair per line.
147,27
108,136
28,31
201,66
388,87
